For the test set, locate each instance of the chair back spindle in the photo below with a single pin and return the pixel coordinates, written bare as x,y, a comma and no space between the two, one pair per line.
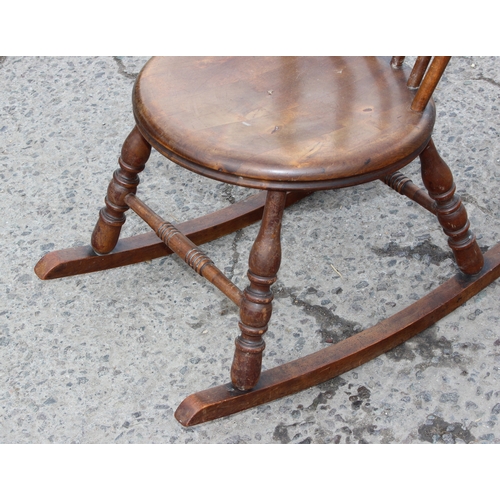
397,61
418,71
424,85
429,83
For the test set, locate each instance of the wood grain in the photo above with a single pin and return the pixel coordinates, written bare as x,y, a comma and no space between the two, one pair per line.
281,123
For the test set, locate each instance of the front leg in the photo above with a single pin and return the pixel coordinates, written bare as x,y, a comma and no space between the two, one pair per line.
256,306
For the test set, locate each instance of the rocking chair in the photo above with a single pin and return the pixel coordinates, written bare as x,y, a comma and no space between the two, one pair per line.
287,126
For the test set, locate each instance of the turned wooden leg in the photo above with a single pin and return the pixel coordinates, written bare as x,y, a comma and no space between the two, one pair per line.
452,216
134,155
256,305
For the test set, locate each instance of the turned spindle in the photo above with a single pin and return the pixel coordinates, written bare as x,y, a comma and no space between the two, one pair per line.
185,249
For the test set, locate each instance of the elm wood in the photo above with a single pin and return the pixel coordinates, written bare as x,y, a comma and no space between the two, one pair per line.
405,186
451,213
185,249
431,79
140,248
281,123
256,307
134,155
339,358
418,71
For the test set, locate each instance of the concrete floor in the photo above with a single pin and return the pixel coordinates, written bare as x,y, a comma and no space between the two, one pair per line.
107,357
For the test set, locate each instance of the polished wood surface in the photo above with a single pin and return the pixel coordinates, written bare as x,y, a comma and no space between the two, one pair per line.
282,122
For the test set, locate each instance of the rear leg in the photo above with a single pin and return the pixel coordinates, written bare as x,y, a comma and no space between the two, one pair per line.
134,155
451,213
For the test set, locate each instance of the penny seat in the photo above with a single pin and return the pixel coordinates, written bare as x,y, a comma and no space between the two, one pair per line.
285,123
286,126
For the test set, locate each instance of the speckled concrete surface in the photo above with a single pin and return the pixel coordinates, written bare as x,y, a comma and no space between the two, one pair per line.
107,357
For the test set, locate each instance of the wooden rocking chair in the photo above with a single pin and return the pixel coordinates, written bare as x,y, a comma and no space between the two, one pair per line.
287,126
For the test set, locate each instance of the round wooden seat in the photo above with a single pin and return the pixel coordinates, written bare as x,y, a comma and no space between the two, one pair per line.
281,122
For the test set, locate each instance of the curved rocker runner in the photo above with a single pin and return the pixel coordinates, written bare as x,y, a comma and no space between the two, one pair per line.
287,126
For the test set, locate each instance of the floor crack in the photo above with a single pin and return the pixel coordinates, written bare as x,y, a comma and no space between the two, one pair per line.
486,79
227,194
123,70
332,327
236,254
